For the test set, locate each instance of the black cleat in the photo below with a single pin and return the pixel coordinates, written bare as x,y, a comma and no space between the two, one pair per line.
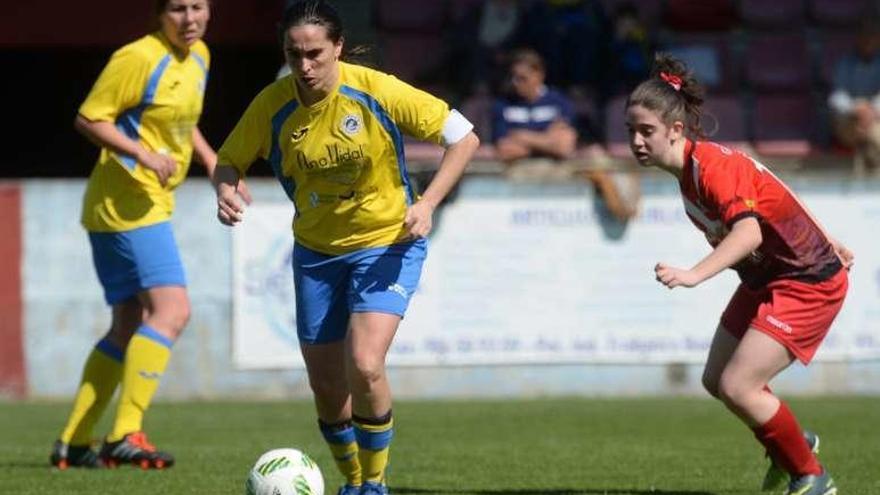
66,456
136,450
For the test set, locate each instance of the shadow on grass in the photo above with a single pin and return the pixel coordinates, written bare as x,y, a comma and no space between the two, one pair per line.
43,465
550,491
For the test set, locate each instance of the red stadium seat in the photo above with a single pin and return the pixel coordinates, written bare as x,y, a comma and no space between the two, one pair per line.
761,14
710,56
724,120
782,124
700,15
402,15
616,136
408,56
776,62
839,13
478,109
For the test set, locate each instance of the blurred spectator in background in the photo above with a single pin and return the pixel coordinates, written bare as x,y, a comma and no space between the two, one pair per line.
855,99
572,36
477,46
630,50
532,120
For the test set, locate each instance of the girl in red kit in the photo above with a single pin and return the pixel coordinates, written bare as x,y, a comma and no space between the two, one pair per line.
794,276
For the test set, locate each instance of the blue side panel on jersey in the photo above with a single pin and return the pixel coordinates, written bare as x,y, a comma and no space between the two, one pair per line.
390,126
129,121
275,154
204,65
198,58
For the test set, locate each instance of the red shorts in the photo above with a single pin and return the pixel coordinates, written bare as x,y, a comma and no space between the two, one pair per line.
797,314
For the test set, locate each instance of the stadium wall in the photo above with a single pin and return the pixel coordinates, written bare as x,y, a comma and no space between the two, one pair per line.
12,372
64,314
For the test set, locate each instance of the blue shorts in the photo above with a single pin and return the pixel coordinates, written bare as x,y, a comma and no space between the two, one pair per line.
330,288
130,262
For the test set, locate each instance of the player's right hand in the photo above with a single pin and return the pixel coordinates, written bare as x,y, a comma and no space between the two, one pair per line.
229,209
163,165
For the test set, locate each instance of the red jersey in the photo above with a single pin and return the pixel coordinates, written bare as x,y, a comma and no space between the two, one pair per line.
720,186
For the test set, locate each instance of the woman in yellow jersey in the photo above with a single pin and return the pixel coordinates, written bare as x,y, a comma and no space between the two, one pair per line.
332,132
142,113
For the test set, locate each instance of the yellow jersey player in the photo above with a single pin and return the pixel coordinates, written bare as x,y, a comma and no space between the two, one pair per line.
333,134
142,112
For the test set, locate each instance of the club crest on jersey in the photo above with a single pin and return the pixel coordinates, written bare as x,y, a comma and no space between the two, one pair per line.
351,124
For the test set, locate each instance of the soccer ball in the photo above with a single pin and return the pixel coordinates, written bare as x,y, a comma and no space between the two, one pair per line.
285,472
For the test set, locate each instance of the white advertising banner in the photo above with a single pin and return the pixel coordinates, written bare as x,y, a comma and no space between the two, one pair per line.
548,279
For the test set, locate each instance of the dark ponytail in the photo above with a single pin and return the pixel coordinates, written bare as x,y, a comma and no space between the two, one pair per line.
672,92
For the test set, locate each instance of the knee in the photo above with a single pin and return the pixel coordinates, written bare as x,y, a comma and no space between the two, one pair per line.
120,335
732,391
172,316
328,386
367,368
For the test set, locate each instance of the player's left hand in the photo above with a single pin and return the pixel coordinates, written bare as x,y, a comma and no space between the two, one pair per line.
673,277
418,220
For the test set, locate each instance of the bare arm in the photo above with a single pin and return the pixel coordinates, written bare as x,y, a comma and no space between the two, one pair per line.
106,135
418,216
203,151
744,238
559,140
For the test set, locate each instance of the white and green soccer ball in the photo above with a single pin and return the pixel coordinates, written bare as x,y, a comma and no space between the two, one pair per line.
285,472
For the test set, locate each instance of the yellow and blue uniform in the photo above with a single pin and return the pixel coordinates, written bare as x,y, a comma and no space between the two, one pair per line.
154,97
341,161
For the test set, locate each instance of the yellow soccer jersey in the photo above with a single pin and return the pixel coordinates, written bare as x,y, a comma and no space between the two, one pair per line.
155,98
341,161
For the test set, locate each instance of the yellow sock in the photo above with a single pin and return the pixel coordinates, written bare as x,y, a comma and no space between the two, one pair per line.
374,440
145,361
341,440
99,379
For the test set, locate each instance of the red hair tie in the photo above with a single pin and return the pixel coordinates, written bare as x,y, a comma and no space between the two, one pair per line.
673,80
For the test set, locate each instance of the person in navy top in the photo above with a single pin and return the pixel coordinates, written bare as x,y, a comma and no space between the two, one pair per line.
534,120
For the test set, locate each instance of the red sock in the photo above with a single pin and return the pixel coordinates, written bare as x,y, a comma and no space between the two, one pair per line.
784,440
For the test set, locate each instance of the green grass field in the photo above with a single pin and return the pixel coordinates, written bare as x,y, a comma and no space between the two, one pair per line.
553,447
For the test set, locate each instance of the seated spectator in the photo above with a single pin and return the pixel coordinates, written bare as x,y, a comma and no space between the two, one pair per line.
533,120
855,99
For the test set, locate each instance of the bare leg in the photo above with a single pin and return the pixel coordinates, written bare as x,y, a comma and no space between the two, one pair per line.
756,360
368,342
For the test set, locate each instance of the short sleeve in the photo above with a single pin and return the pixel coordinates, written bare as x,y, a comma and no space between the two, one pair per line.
250,138
728,186
566,110
119,87
499,123
418,113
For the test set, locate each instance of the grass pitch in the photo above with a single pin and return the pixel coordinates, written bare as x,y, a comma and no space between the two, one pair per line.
528,447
